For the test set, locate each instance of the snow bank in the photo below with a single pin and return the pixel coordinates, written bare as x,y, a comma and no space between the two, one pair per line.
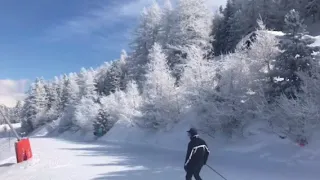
317,41
258,142
276,33
45,130
124,133
173,139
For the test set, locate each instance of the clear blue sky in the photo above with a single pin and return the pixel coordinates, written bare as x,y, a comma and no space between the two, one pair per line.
51,37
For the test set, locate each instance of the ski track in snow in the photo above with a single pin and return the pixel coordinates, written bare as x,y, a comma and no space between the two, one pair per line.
56,159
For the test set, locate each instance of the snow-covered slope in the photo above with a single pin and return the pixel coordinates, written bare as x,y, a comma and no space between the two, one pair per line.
57,159
128,152
7,140
259,143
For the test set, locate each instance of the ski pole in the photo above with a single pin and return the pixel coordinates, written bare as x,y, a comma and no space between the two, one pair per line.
216,172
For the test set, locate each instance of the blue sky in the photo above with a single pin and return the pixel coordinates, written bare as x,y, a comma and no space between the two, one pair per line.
51,37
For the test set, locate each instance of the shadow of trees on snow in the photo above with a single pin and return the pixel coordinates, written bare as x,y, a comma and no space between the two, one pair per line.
135,162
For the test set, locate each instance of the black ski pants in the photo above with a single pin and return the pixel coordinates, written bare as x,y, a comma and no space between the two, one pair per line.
195,172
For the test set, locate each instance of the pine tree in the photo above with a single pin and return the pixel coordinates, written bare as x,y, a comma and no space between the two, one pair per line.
82,77
114,78
159,73
251,14
199,76
262,53
159,91
166,25
57,86
69,99
271,14
53,107
101,125
237,30
34,107
296,56
51,95
17,110
9,113
70,92
100,78
192,27
85,112
133,101
222,31
86,83
146,34
41,94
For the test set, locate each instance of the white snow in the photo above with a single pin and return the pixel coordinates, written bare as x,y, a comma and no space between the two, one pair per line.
7,140
56,158
131,153
276,33
317,41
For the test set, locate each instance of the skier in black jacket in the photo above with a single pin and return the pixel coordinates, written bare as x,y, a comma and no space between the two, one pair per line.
197,155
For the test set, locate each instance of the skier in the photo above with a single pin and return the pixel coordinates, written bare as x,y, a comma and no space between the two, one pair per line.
197,155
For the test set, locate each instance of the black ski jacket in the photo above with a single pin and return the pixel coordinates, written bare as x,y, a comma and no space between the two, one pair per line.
197,153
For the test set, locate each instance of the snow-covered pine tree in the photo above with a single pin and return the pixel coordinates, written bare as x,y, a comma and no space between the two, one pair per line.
101,74
283,7
51,95
70,92
9,113
192,26
146,34
41,94
113,76
57,86
34,107
87,108
133,102
261,56
295,57
82,76
16,114
166,25
52,109
198,77
160,106
114,104
86,83
29,111
299,117
69,99
101,125
85,113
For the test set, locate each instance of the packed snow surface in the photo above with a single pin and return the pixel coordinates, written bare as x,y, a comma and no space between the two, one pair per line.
64,157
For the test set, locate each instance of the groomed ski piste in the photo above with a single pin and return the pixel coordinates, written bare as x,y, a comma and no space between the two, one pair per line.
128,152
